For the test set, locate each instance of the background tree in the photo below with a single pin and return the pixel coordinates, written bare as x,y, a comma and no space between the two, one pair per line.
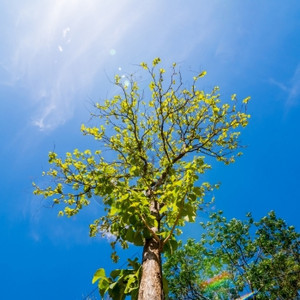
149,181
189,267
261,256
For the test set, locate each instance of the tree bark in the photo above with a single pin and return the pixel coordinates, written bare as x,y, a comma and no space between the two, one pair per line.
151,285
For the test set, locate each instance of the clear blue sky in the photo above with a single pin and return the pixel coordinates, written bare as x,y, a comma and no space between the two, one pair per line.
56,58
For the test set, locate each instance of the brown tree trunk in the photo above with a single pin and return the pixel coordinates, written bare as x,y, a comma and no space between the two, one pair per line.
151,286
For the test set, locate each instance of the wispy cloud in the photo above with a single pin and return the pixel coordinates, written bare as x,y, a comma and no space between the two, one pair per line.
59,48
294,91
291,88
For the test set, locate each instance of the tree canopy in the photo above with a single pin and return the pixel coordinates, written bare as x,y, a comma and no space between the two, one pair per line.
262,257
154,145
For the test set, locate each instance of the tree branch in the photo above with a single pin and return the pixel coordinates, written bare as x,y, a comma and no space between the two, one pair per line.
176,221
156,237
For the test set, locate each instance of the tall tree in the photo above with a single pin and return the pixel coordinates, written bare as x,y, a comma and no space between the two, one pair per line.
262,257
149,182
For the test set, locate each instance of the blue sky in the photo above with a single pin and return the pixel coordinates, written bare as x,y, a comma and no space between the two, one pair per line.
56,59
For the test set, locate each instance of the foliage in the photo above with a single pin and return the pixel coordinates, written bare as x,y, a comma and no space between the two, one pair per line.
189,267
121,282
153,146
261,256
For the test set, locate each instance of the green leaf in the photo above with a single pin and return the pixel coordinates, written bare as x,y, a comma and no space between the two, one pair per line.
115,273
165,286
132,283
103,286
100,273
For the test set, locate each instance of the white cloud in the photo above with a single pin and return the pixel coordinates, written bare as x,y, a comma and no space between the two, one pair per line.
108,236
291,88
39,121
59,47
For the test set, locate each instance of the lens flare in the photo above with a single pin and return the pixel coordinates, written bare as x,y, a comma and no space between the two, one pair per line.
112,52
215,282
247,296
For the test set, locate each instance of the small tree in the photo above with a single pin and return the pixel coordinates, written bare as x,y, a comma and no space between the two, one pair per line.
261,256
149,183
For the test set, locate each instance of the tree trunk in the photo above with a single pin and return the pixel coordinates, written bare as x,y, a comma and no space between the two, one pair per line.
151,286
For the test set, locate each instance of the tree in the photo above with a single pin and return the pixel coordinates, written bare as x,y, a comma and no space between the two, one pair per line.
261,256
159,142
187,270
